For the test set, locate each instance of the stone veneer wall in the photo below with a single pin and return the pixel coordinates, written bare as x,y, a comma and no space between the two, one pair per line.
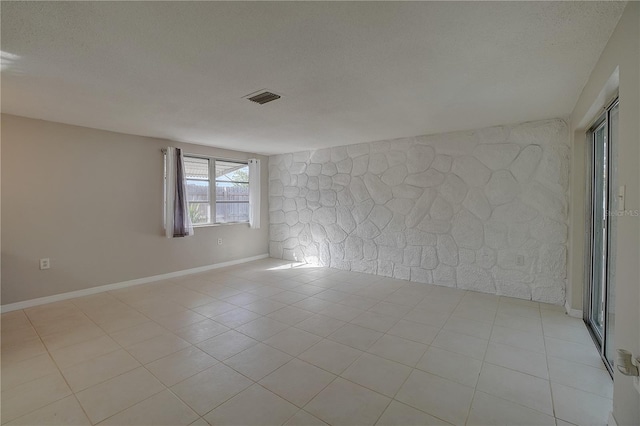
483,210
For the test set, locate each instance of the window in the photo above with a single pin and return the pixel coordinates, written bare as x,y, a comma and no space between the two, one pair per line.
223,199
232,192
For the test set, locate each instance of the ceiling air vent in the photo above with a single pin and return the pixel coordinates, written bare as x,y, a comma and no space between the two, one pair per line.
263,97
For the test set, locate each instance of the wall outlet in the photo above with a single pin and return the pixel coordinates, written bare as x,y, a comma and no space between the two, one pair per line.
219,241
45,263
519,260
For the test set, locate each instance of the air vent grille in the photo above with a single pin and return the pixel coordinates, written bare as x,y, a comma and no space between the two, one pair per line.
264,97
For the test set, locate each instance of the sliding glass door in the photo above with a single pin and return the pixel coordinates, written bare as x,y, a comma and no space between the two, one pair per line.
599,230
599,294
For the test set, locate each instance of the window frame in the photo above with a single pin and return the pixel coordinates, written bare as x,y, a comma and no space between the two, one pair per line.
602,338
210,201
212,189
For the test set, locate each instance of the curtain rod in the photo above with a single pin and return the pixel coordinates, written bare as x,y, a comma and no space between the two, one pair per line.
235,160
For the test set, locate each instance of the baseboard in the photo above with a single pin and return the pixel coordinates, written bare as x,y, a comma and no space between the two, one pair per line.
115,286
612,420
576,313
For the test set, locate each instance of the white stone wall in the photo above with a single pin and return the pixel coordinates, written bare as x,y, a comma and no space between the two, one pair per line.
484,210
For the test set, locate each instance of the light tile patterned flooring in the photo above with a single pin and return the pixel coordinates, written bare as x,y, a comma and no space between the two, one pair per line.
272,343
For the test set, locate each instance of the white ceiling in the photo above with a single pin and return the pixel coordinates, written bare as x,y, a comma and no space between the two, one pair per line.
348,72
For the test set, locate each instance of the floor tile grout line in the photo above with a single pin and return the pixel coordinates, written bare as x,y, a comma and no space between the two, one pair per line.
311,399
581,364
229,398
517,403
571,361
232,396
59,371
391,398
591,345
546,359
82,408
475,388
130,406
338,376
517,371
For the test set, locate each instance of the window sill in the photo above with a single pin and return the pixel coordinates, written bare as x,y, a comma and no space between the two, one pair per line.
212,225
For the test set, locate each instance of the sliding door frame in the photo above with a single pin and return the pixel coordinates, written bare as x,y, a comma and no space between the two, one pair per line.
599,338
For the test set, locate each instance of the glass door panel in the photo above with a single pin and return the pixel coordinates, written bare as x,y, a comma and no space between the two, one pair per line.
599,230
609,347
600,295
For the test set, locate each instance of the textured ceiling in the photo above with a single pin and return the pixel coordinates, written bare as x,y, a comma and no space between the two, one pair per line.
348,72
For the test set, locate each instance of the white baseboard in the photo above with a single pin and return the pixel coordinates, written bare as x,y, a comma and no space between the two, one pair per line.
108,287
576,313
612,420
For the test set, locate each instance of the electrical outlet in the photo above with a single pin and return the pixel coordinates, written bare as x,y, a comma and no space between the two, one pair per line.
219,241
45,263
519,260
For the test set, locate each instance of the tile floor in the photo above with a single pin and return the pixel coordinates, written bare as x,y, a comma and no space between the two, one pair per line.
273,343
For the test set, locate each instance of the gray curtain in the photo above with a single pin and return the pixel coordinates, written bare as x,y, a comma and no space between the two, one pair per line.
178,222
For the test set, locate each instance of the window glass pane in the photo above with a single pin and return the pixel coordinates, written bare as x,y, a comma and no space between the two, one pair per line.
196,168
232,192
227,171
599,247
232,212
197,190
200,213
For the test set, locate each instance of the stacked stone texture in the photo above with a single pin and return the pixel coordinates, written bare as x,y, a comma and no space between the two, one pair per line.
457,209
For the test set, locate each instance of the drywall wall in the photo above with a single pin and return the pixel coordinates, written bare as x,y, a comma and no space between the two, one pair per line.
483,210
621,57
91,201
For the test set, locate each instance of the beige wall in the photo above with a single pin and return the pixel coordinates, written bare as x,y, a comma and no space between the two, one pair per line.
622,55
91,201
